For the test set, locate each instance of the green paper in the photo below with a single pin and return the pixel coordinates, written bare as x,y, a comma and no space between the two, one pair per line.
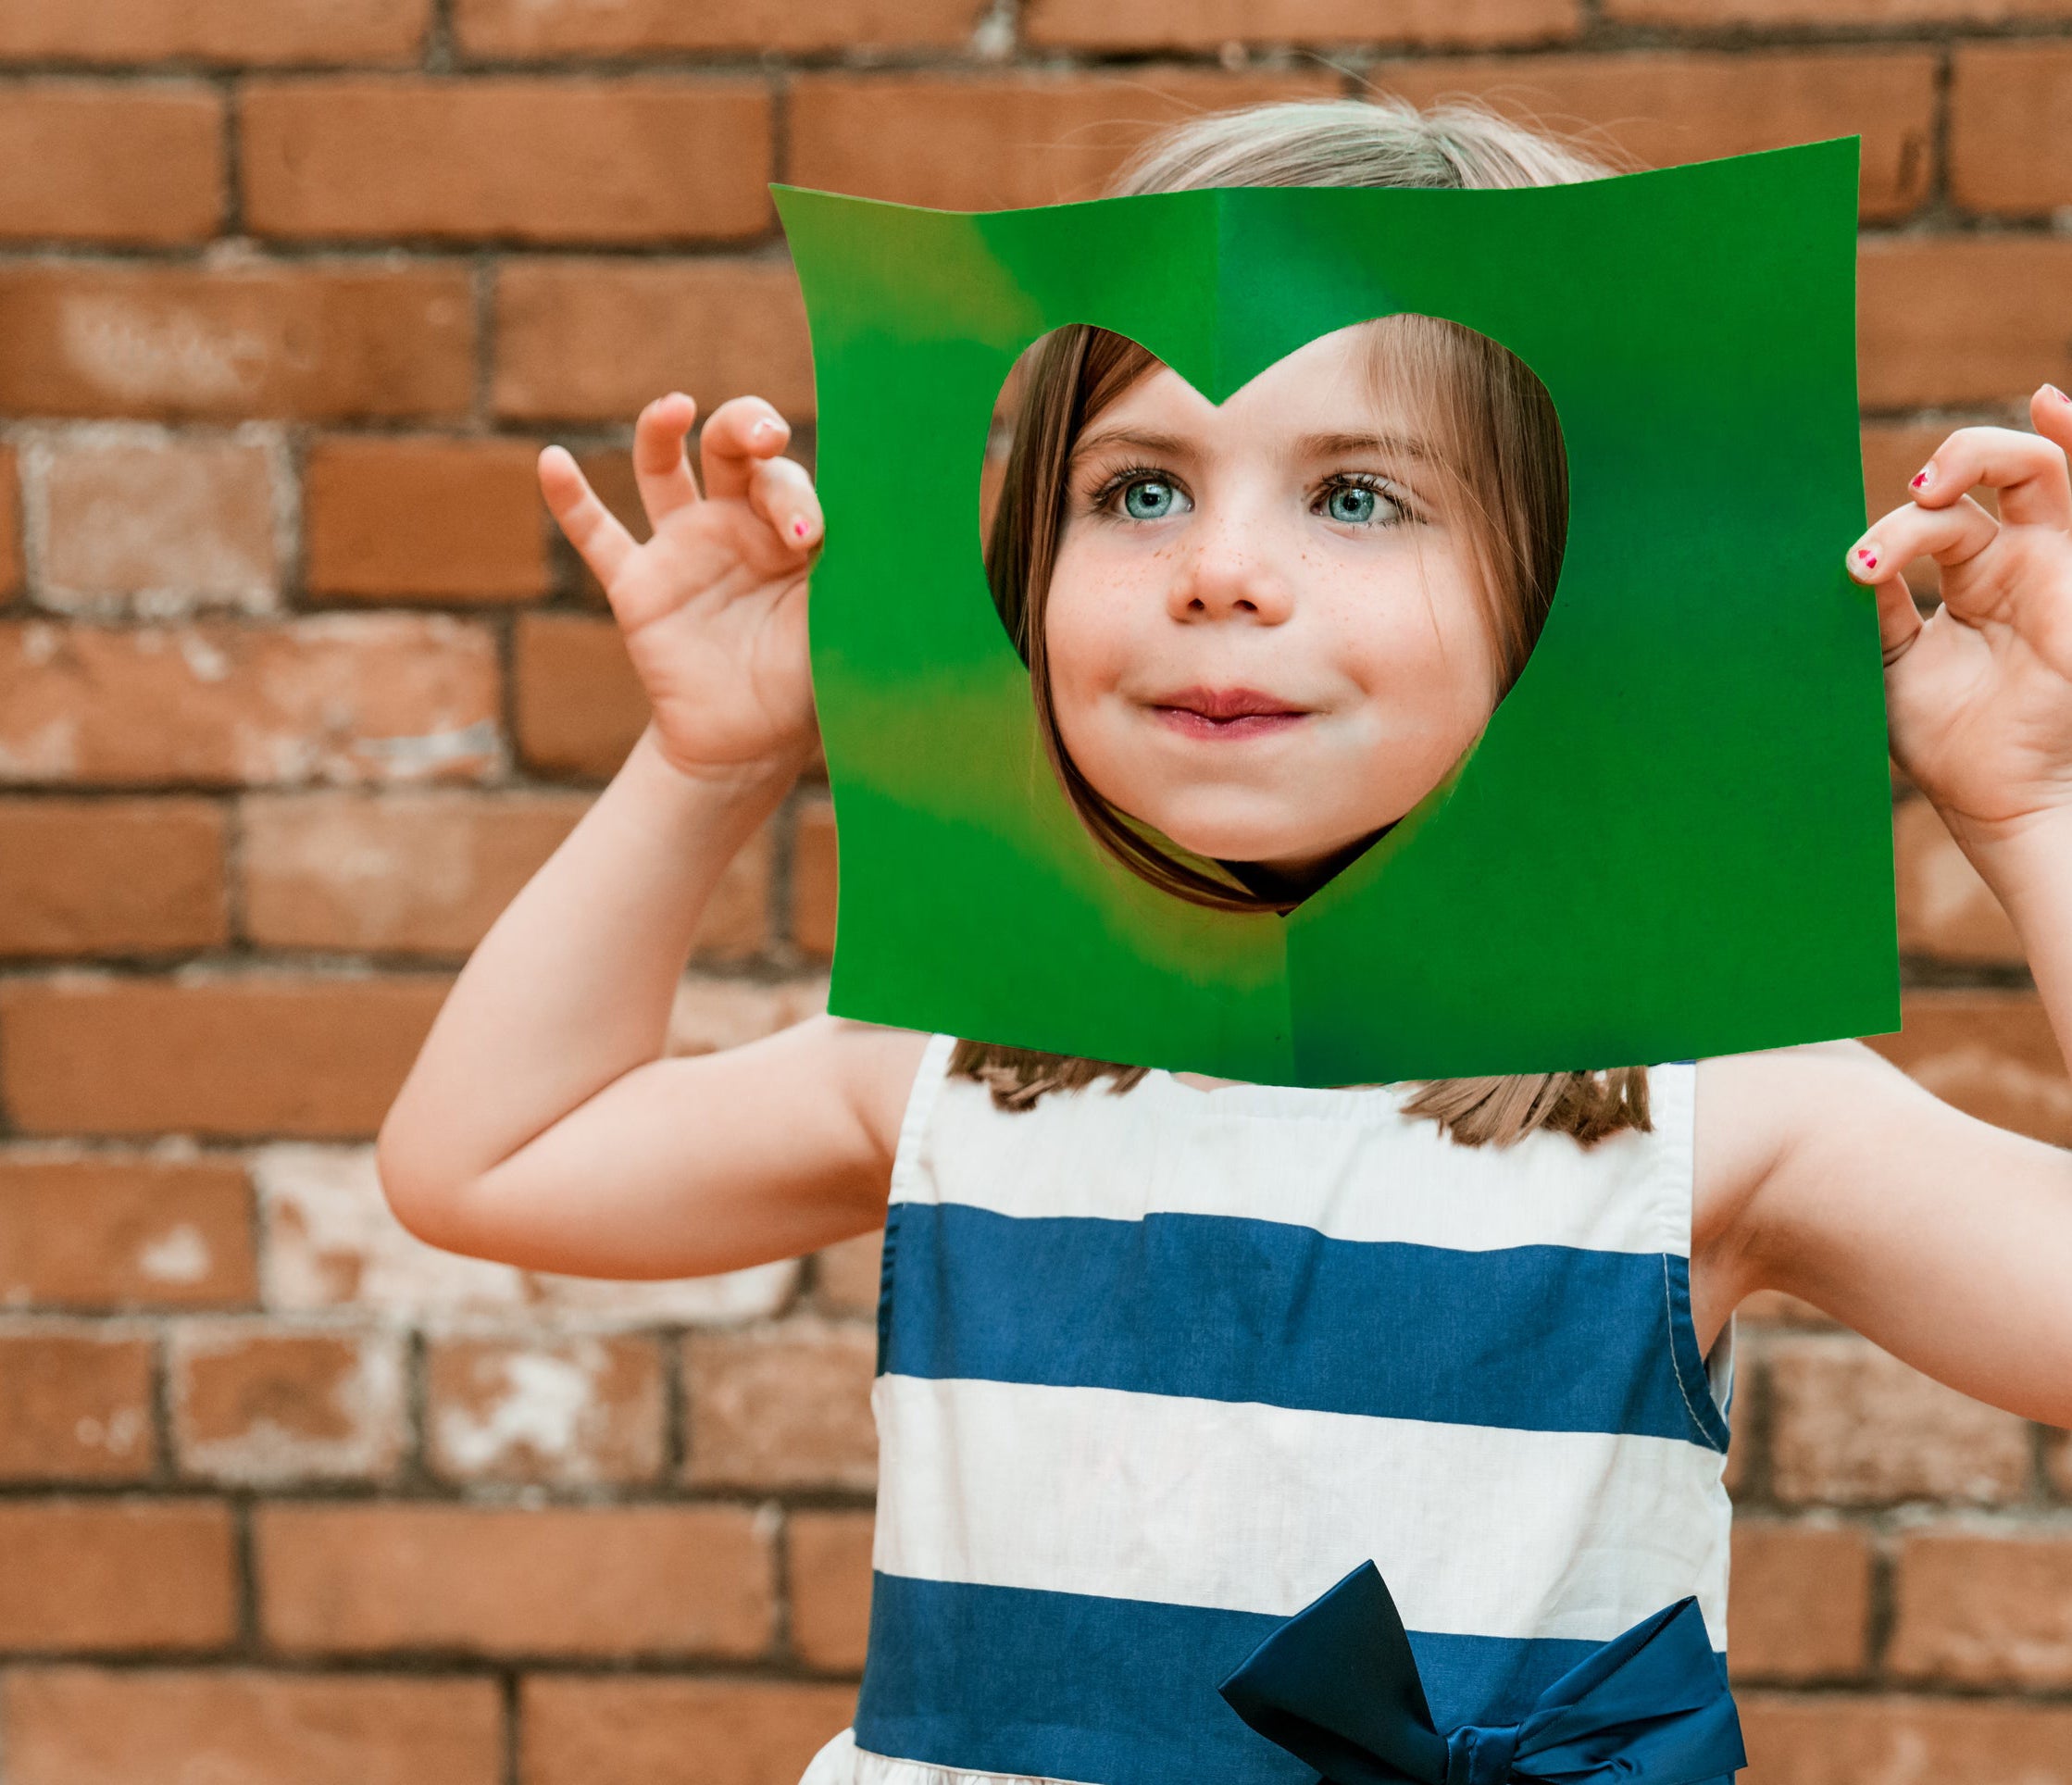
1673,837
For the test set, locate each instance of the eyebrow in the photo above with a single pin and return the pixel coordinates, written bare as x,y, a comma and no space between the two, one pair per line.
1327,446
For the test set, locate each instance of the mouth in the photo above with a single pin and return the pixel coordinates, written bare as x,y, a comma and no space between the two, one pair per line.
1225,712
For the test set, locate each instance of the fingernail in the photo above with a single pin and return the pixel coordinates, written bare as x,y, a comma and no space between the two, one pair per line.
1868,557
798,529
1920,477
2058,393
765,425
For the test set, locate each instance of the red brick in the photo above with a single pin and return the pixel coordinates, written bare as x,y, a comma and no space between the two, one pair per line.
75,1403
813,877
80,1726
1887,1740
1851,1425
846,1275
980,142
572,1410
1990,1053
84,162
302,339
110,877
622,1580
1954,320
597,340
1205,24
2011,127
1945,910
828,1578
1800,1606
1663,108
254,1404
650,1730
425,519
550,28
106,1233
363,697
162,526
1713,15
264,1055
783,1407
427,873
579,705
103,1574
512,157
1979,1607
113,32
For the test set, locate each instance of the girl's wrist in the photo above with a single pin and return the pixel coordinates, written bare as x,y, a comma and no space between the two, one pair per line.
2026,860
737,795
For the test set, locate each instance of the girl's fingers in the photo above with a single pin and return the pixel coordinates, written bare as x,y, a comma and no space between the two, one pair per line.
1899,621
659,467
591,528
2027,469
2051,410
1950,536
782,494
740,432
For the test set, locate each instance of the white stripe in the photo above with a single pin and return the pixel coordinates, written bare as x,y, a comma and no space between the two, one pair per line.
842,1763
1478,1530
1338,1161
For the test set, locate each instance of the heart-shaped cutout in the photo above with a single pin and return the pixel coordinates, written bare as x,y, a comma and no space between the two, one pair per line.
1261,633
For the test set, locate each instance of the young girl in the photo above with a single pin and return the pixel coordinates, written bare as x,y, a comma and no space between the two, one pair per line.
1162,1359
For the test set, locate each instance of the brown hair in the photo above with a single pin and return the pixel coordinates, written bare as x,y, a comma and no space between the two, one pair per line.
1494,432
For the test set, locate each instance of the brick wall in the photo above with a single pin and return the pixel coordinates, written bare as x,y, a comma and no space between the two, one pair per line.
297,683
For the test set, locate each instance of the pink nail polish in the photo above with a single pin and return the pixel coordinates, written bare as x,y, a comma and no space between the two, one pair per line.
1919,478
2058,394
1870,562
798,529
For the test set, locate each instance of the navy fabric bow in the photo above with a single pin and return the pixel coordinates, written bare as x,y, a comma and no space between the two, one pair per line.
1337,1686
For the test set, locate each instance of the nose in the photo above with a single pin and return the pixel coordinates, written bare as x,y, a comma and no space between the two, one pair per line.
1220,579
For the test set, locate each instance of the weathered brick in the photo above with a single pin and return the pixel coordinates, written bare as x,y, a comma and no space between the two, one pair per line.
846,1275
1713,15
580,1730
344,697
980,142
548,27
268,1053
597,340
1820,1738
1953,320
80,161
75,1401
556,1409
1800,1608
333,1242
783,1407
1984,1607
108,1233
621,1581
341,341
427,873
2011,127
256,1403
1206,24
579,705
101,1574
813,877
110,877
1851,1425
156,526
827,1577
82,1725
1944,909
638,159
459,521
1665,107
114,31
1990,1053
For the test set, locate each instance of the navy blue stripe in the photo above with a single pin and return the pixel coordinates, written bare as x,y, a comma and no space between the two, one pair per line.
1531,1337
1121,1691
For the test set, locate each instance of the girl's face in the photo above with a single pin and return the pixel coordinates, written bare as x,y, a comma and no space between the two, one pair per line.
1263,632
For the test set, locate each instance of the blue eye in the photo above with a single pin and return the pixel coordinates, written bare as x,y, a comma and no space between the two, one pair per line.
1148,499
1351,503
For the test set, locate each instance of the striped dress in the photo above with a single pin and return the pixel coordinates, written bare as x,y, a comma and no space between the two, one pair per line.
1156,1369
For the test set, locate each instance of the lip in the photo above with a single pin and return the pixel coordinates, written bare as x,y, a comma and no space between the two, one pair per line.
1225,712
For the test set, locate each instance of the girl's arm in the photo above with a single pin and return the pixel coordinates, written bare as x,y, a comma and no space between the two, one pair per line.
1824,1171
541,1124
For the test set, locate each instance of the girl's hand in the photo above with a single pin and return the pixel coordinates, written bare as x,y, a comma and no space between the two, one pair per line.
713,606
1978,696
